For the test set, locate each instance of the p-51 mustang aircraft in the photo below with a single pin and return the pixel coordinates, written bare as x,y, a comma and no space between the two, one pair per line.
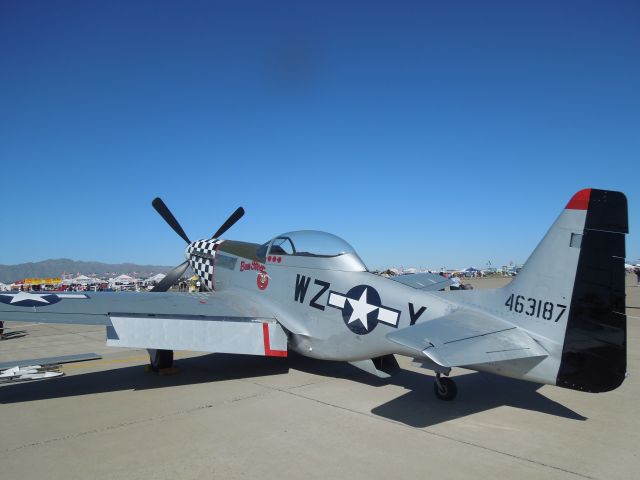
561,321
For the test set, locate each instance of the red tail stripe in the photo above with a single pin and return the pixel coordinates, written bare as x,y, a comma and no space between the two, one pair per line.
580,201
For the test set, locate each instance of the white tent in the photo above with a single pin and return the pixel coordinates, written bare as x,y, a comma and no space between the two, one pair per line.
83,279
156,278
126,279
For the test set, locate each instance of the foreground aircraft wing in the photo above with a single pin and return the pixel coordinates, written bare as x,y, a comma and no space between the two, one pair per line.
467,338
429,282
205,322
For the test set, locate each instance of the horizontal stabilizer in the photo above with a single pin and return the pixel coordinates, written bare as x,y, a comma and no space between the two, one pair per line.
429,282
466,338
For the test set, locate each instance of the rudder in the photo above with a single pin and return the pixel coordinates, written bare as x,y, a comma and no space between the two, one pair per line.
594,353
571,291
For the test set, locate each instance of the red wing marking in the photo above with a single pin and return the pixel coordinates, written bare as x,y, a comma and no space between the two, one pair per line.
267,344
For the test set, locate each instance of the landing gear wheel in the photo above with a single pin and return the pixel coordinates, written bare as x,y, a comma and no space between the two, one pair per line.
445,388
160,359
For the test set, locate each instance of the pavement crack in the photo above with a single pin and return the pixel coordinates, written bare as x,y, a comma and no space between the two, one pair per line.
435,434
142,421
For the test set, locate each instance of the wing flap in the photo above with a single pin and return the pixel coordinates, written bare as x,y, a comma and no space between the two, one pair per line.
467,338
243,335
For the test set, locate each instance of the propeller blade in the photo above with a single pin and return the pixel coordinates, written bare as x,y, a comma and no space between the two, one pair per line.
172,277
235,216
165,213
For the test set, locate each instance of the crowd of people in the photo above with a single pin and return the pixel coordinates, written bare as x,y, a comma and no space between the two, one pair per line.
190,285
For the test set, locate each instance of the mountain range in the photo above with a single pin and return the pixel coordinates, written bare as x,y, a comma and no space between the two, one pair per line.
56,267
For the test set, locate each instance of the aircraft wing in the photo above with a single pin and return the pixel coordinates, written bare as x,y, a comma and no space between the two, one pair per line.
205,322
428,282
467,338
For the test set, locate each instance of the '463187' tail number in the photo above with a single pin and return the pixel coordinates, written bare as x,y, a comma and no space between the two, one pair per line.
533,307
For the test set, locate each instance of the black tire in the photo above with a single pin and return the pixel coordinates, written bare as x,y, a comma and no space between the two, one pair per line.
447,390
160,359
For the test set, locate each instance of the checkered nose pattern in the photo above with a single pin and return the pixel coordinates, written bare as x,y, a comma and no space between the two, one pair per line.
201,254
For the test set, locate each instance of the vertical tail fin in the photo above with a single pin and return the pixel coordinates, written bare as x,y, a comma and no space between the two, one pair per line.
571,291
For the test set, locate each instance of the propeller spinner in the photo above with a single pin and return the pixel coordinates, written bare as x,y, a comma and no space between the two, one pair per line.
199,254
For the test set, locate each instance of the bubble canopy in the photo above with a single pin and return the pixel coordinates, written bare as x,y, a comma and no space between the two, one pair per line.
311,243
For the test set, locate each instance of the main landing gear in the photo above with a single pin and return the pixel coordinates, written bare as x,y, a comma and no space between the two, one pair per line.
160,359
445,388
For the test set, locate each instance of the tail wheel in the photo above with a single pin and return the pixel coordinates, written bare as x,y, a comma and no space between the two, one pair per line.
445,388
160,359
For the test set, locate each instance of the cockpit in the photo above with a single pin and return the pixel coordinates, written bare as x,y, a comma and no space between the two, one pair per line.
304,246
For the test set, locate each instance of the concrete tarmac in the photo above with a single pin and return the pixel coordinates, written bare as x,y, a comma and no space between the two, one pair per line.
229,417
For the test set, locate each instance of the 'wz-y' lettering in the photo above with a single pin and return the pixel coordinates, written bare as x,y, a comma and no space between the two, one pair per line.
324,286
302,285
415,315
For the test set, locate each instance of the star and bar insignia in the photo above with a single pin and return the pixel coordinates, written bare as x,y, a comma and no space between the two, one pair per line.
362,309
27,299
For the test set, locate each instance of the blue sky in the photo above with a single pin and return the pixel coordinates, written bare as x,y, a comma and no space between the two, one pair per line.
425,133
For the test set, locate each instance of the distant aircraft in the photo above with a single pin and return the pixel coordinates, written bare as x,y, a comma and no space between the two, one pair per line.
561,321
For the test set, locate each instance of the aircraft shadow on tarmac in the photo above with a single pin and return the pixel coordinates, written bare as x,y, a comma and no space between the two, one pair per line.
477,392
420,408
417,408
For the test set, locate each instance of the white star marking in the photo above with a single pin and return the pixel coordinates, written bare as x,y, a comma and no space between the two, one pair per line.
361,308
27,296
